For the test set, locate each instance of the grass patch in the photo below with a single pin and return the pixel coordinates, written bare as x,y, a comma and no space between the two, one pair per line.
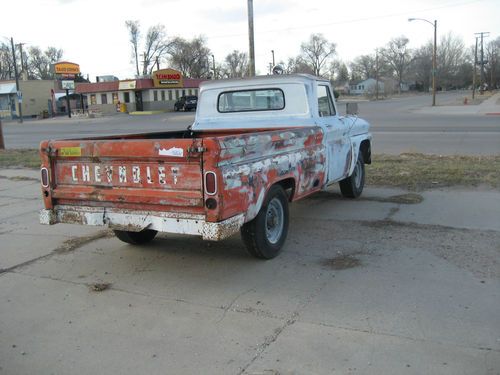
419,171
25,158
411,171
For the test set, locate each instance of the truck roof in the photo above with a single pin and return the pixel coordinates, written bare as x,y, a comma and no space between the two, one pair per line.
261,80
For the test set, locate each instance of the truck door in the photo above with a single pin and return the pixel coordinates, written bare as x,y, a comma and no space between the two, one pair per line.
337,135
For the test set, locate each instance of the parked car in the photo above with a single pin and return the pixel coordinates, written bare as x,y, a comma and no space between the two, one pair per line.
186,103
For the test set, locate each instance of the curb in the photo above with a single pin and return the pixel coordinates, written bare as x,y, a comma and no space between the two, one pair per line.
142,113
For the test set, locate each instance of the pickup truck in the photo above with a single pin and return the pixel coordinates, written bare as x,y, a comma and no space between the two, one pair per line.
255,145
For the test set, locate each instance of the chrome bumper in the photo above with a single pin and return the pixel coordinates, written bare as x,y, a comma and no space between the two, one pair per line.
135,221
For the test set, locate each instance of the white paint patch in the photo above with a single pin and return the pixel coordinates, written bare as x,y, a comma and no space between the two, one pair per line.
174,151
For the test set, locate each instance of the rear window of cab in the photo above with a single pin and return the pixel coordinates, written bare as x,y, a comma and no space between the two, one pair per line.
251,100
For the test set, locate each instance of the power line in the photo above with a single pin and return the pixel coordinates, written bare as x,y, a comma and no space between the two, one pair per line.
354,20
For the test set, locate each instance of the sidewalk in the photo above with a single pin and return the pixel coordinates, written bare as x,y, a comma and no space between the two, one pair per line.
489,107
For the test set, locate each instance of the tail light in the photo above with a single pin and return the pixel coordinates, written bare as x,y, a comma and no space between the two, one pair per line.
45,177
210,183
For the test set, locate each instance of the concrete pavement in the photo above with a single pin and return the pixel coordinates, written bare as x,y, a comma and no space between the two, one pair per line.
489,107
393,283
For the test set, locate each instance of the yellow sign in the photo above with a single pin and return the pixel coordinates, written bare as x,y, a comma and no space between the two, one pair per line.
65,67
70,151
167,78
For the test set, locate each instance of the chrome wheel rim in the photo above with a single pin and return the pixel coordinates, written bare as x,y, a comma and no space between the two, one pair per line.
274,221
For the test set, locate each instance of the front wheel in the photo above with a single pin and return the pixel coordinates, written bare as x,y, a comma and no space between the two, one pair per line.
136,238
352,186
265,235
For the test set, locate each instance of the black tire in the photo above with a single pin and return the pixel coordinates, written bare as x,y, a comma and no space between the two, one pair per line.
265,235
352,186
176,109
136,238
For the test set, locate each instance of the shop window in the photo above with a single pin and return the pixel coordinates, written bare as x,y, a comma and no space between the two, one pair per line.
115,98
93,100
163,95
126,97
104,99
169,94
190,92
177,94
155,95
183,92
195,92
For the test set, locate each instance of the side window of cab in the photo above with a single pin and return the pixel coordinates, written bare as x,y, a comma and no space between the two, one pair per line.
325,102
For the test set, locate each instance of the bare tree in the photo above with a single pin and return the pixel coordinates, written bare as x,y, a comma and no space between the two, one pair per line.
451,57
398,56
39,63
420,69
191,57
493,67
364,66
156,47
316,52
6,62
237,64
134,33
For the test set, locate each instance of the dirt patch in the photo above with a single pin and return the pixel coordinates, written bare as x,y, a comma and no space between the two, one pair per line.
99,287
341,262
77,242
409,198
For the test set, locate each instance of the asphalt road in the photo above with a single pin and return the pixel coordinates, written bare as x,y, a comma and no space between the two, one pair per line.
396,127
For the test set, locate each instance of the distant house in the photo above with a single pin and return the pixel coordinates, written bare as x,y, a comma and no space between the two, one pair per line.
366,87
342,88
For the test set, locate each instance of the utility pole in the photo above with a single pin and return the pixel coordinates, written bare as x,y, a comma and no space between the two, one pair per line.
272,51
251,39
270,68
474,72
157,63
2,143
376,74
23,67
482,62
19,100
213,61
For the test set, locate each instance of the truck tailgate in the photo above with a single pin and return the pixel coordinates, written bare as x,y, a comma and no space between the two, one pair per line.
149,174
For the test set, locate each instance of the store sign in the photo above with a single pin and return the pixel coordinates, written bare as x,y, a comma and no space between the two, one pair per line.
126,85
68,85
167,78
65,67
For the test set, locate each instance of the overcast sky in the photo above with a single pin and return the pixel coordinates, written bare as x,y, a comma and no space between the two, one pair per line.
92,33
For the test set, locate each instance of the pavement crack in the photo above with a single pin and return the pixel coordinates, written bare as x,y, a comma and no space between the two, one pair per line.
67,246
404,337
233,301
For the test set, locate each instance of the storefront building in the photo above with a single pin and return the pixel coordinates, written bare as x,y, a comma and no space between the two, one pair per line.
158,93
37,98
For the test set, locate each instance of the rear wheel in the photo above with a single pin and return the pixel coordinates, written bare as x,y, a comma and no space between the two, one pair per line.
265,235
136,238
352,186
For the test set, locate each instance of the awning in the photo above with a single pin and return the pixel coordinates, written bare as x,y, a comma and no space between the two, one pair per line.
7,88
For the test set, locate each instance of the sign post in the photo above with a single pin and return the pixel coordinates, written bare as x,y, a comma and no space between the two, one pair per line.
2,144
68,85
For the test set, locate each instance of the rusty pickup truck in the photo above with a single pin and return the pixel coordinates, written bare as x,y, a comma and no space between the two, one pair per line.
255,145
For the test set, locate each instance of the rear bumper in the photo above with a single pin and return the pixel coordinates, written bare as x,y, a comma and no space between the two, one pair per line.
136,221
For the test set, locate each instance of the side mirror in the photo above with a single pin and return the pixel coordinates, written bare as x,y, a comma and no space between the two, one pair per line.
351,108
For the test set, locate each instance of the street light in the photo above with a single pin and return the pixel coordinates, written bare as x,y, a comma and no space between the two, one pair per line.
433,24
